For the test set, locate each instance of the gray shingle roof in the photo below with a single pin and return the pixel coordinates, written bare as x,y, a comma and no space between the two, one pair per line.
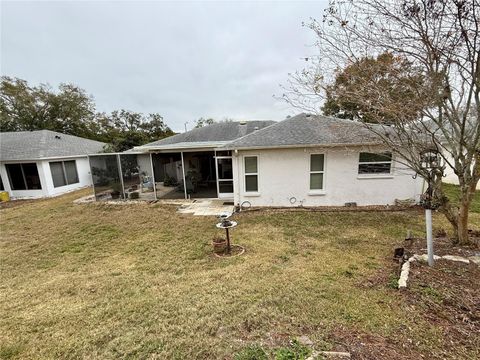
215,133
307,130
34,145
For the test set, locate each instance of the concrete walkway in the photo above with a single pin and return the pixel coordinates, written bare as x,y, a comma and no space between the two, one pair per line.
207,207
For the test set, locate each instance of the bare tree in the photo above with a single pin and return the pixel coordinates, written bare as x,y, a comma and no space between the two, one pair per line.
437,41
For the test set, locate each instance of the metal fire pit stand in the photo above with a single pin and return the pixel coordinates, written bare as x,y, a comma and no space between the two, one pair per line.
227,224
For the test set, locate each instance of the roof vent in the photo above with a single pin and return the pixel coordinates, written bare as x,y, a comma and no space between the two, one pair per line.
307,115
243,122
57,137
255,128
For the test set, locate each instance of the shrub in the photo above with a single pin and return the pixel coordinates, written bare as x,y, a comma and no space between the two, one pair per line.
252,352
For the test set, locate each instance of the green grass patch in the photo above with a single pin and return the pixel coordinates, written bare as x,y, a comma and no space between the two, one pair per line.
140,281
452,192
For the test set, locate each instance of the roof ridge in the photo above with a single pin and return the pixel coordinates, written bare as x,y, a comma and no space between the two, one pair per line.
266,127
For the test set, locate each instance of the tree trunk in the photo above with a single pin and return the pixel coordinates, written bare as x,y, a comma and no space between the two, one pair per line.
457,215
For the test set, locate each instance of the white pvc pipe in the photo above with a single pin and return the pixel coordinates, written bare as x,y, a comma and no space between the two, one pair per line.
428,222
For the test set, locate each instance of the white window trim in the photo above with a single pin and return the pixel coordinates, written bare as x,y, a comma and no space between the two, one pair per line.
388,175
251,193
317,192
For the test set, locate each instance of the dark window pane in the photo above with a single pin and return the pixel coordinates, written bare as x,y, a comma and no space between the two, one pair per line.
1,184
224,153
371,157
251,164
251,183
316,181
71,172
225,169
15,175
374,168
225,186
316,162
31,176
58,177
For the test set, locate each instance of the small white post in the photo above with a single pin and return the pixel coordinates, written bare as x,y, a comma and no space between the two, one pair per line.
428,222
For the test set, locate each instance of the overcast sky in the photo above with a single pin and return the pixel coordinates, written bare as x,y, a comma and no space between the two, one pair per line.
184,60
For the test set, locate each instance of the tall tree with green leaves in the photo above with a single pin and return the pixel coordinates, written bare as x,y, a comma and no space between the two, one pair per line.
70,110
22,107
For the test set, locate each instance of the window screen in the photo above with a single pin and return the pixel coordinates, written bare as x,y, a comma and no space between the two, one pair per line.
71,172
58,177
64,173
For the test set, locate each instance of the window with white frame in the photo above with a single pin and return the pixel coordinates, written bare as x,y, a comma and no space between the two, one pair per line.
375,163
251,173
64,173
317,171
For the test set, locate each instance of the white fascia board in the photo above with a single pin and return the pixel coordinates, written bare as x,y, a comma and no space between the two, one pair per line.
295,146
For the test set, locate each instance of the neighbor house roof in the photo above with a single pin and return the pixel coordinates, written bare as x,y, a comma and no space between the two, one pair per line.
307,130
212,136
40,144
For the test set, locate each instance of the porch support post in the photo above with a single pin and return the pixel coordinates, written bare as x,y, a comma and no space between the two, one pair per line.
153,177
183,172
216,173
120,173
91,177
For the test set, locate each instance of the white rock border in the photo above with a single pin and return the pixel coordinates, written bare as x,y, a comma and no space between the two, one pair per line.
402,281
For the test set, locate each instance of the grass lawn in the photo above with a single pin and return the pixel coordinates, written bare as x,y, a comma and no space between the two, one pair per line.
139,281
452,192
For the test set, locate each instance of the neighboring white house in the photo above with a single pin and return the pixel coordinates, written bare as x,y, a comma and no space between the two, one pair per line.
450,176
42,163
304,160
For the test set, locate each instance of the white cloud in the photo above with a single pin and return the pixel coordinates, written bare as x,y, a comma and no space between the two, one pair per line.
183,60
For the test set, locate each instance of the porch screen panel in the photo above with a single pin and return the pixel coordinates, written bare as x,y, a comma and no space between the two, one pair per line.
130,172
106,177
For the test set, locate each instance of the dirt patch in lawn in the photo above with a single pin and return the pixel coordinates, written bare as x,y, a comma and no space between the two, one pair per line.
448,295
443,245
371,346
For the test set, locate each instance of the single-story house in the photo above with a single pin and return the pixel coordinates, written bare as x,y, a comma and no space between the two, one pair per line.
42,163
305,160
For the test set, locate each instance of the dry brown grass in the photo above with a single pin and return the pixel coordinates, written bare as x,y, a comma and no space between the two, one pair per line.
139,281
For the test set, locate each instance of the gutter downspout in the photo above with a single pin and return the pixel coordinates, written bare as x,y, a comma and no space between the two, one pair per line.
184,180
